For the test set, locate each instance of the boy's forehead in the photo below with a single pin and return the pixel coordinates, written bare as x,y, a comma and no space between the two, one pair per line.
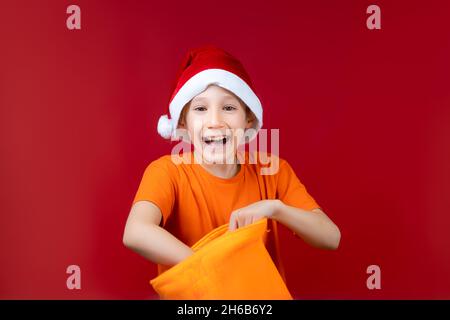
216,92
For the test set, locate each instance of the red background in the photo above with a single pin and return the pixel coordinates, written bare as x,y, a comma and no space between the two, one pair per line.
364,119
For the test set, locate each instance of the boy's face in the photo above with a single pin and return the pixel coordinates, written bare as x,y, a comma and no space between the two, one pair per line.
216,120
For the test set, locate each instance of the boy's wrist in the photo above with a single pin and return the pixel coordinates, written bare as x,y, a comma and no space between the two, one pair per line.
277,208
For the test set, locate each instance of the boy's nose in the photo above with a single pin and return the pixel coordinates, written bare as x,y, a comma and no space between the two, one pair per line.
214,119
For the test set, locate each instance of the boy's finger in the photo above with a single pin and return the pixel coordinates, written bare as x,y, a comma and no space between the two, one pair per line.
248,220
240,219
233,222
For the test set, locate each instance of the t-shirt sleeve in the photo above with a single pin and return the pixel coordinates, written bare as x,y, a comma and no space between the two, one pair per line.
291,190
159,187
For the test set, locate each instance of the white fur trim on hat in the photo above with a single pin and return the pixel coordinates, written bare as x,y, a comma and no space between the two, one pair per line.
222,78
165,126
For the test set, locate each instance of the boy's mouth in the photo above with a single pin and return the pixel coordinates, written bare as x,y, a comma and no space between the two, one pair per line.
217,140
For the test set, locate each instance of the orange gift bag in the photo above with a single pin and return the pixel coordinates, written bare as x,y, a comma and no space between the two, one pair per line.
226,265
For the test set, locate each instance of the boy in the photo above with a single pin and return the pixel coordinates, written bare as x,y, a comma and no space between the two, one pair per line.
177,204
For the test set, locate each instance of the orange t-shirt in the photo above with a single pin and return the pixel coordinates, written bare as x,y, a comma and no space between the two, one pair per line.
193,201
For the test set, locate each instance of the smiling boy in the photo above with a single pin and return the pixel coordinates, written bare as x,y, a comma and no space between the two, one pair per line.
215,104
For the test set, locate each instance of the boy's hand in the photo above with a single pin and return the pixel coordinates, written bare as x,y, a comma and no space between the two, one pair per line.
252,213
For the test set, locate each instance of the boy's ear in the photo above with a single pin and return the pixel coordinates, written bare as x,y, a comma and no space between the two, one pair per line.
250,120
182,121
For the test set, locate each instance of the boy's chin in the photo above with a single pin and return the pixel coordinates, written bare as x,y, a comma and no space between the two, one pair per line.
218,157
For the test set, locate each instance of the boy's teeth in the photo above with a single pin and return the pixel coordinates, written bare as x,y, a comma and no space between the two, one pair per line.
215,139
221,139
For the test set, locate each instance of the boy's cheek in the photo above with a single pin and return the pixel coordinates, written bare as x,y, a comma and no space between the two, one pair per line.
238,136
197,125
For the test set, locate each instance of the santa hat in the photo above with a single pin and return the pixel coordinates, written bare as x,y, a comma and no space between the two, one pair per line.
201,67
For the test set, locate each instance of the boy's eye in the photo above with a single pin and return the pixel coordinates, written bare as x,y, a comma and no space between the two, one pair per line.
229,108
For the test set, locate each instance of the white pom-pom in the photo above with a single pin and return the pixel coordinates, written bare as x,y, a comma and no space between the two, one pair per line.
165,127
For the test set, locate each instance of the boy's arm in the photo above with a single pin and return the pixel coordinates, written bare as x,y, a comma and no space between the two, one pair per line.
314,226
144,236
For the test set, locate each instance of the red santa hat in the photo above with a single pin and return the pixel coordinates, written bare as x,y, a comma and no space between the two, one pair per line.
201,67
